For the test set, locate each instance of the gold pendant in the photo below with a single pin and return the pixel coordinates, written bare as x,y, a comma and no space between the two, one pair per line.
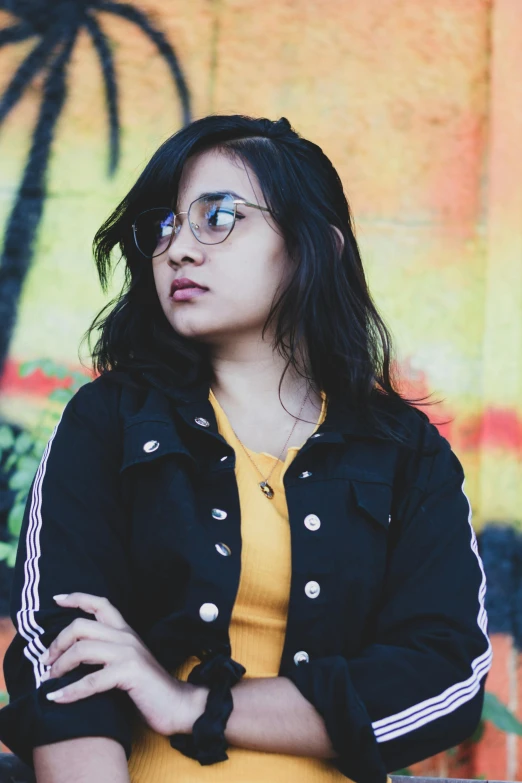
266,489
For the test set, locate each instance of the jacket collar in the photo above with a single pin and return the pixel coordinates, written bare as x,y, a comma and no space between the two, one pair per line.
341,417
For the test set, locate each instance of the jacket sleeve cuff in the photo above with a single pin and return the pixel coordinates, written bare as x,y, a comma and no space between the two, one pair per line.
32,720
327,684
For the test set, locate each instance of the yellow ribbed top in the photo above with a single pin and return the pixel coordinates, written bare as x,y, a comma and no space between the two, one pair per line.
257,633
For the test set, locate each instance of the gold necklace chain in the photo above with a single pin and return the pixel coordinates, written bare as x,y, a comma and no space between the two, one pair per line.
266,489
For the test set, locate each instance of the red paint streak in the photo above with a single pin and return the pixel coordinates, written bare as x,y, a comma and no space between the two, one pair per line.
502,428
414,384
37,384
495,428
470,433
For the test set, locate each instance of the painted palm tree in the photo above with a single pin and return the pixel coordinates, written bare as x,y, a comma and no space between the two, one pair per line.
56,24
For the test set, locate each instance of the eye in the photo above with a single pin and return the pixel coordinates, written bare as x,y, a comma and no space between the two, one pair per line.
219,216
165,227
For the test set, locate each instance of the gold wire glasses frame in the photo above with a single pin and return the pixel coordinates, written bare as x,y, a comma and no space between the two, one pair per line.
211,218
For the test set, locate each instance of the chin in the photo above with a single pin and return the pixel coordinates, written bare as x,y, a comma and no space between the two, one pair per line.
192,329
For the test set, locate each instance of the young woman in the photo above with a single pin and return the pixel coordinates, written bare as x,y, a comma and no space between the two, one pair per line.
245,556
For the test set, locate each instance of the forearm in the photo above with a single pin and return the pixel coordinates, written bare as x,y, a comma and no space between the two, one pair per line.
271,715
84,760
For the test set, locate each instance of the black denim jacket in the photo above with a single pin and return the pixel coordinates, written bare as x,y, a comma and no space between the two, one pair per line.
133,492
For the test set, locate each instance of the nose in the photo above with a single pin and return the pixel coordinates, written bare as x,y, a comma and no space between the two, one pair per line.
185,248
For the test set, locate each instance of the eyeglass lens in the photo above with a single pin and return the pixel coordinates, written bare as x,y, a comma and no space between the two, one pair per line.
211,220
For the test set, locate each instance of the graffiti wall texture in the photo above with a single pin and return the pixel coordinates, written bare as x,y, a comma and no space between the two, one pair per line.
418,104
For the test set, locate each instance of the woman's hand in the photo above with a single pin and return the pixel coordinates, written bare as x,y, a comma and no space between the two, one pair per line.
167,705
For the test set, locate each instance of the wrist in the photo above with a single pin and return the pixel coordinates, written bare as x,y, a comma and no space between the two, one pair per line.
190,705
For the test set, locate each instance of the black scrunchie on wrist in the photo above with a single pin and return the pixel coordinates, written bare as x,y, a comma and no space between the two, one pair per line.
207,743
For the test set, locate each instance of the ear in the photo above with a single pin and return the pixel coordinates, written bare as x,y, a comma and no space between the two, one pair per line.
339,239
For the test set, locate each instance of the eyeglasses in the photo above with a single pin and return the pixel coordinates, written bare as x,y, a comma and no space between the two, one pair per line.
211,218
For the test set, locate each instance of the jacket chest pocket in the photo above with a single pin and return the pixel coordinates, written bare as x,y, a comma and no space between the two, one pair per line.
361,549
156,473
150,440
373,501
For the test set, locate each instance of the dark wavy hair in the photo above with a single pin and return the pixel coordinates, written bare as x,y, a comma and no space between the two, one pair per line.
326,305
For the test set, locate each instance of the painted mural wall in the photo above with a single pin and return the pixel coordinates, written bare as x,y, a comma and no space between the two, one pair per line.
418,106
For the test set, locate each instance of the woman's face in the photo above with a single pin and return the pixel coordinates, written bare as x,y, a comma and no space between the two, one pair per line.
241,274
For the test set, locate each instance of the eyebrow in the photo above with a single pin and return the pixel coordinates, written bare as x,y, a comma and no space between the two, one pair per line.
214,193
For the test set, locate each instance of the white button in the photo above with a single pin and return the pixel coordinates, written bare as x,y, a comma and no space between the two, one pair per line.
312,522
305,474
223,458
202,422
218,513
208,612
317,435
150,445
389,519
223,549
301,657
312,589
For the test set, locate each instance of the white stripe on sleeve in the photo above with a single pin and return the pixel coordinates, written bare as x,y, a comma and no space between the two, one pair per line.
453,697
26,621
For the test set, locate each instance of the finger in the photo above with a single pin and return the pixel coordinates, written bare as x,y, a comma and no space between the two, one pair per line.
96,682
81,628
94,652
97,605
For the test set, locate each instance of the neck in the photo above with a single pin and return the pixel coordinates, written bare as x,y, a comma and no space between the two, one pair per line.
246,377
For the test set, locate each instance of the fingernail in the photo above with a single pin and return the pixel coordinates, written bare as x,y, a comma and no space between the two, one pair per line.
54,695
62,595
44,657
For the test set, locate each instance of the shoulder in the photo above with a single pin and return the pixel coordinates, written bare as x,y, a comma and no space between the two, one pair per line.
426,457
101,403
97,394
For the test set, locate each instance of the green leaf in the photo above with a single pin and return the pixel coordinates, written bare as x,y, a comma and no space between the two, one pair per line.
39,448
500,716
10,461
78,382
478,733
6,437
27,368
5,549
28,464
60,395
48,367
11,559
23,443
61,372
21,479
15,519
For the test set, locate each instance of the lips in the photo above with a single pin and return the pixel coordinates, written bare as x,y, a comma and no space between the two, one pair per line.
184,282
